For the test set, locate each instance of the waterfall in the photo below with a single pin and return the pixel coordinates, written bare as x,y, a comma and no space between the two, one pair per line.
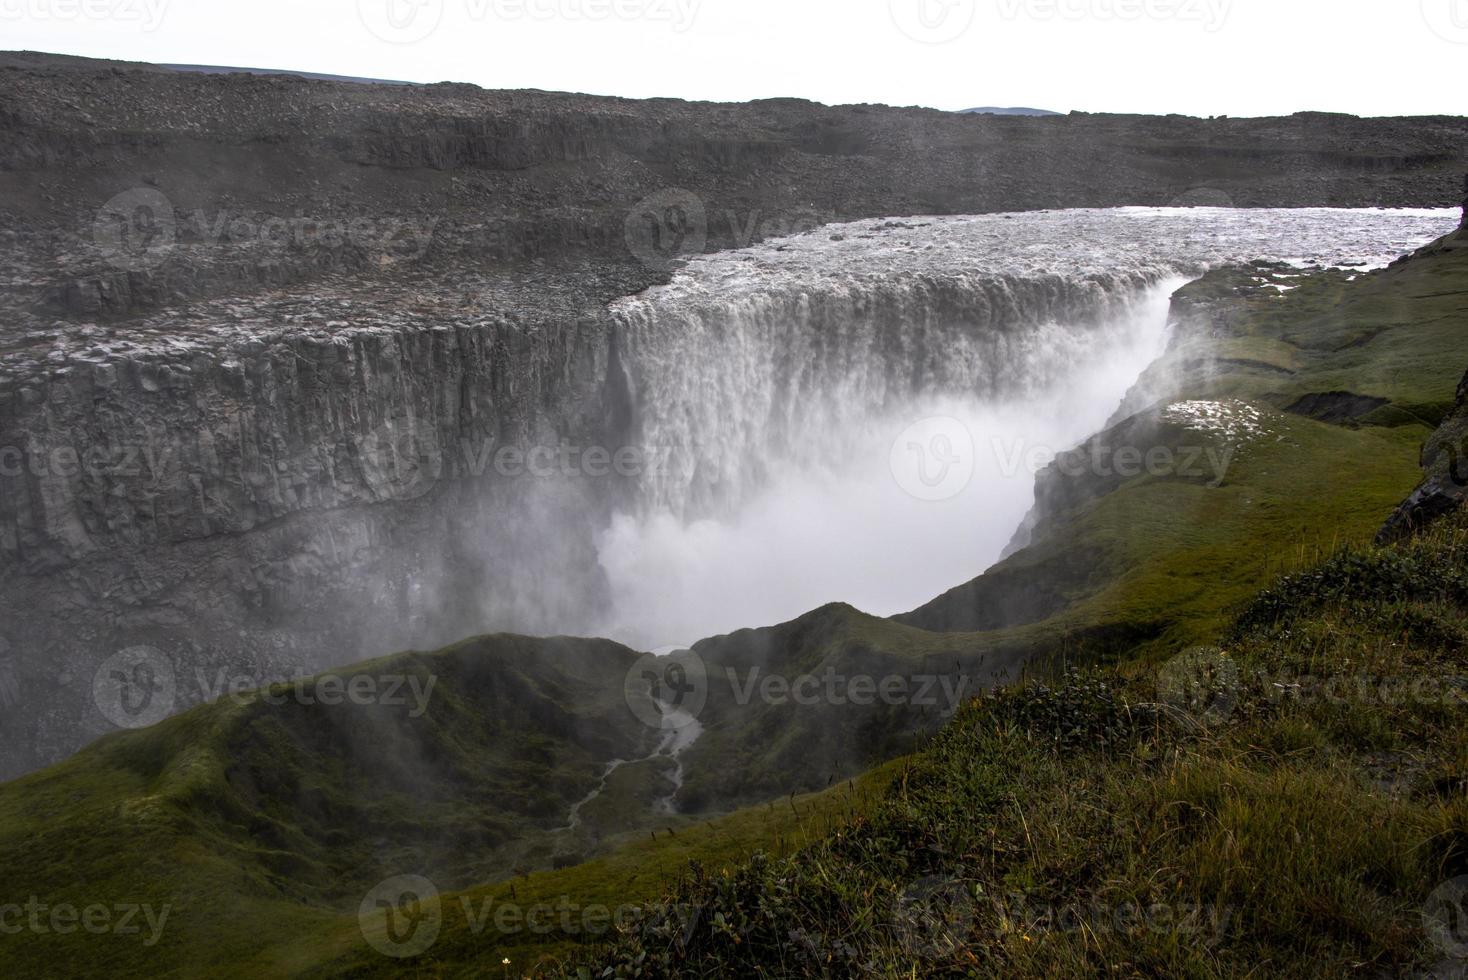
795,392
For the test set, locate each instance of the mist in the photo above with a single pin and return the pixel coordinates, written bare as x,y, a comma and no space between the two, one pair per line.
867,513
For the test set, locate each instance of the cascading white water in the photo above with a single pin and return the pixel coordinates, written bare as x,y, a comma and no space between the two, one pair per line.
847,414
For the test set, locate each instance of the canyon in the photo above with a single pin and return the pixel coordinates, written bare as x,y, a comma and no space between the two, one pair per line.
298,373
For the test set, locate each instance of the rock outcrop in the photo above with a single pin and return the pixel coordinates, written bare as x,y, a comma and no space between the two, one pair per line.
1445,487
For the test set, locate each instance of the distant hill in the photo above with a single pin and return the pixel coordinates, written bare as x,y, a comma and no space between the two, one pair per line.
34,60
989,110
222,70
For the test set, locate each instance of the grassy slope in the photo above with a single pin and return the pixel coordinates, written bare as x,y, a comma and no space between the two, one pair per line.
635,876
253,819
1268,828
262,826
1152,564
756,750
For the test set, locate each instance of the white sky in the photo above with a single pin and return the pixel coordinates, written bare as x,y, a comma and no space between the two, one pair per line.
1200,57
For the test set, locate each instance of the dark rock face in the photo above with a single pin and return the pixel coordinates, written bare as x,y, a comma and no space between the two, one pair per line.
1445,488
1335,406
261,337
1445,455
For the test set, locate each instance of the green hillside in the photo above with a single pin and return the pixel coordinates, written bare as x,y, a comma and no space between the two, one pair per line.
1291,804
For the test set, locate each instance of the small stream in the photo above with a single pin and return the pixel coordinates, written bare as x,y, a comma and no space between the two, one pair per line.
680,730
